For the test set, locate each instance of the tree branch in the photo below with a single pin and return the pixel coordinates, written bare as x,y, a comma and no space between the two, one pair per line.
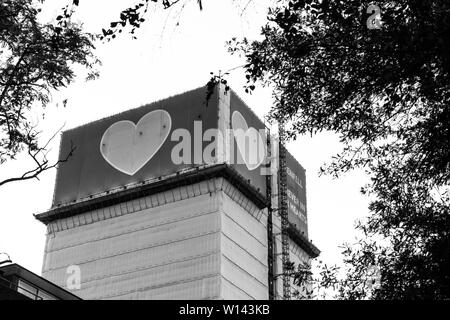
41,164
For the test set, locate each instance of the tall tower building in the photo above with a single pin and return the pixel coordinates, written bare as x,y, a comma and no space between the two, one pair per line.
174,200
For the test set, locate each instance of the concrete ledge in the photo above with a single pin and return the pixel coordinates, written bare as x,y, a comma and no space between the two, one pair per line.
161,184
303,242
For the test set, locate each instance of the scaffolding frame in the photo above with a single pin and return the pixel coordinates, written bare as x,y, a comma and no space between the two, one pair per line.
283,212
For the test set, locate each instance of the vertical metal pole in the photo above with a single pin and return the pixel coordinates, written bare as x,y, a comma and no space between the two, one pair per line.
270,262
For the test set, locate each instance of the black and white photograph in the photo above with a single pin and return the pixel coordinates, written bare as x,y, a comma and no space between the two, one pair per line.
244,152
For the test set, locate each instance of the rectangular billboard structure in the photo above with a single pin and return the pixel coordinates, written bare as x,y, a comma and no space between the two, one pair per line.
296,194
162,138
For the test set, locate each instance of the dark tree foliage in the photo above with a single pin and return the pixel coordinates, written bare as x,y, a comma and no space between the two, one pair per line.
35,59
386,92
133,17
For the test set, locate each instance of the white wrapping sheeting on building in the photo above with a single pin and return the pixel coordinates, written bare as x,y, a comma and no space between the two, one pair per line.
244,252
192,242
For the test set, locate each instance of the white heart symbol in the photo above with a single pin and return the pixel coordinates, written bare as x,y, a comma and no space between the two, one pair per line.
128,147
249,141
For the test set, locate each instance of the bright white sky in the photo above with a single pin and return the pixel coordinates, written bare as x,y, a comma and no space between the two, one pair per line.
168,59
